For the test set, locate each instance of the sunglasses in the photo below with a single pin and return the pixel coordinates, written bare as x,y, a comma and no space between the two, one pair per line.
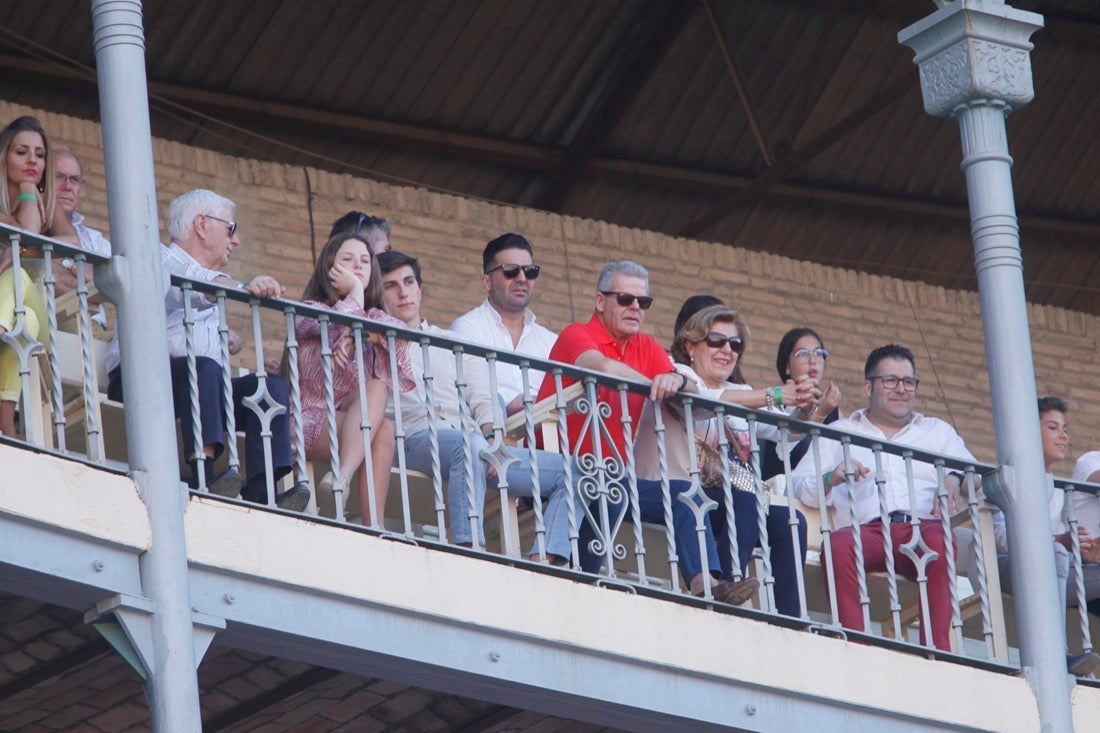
230,225
511,272
717,341
627,299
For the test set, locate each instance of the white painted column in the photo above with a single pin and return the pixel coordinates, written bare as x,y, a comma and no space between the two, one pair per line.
158,628
975,67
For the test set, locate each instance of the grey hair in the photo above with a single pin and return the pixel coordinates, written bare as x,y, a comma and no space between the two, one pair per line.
183,210
629,268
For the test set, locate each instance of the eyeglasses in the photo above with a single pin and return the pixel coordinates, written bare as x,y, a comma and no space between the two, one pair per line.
717,341
511,272
891,383
230,225
627,299
804,354
74,181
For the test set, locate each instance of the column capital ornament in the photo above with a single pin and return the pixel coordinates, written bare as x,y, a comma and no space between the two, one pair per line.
973,49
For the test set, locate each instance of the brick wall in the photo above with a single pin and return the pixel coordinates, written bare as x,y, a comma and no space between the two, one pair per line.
854,311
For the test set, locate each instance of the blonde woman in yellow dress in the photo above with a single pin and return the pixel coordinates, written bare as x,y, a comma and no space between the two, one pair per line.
28,201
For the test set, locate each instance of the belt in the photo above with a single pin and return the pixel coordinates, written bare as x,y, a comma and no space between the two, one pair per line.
900,517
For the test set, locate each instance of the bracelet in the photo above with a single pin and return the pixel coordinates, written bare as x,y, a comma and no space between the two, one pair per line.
778,395
27,197
769,399
243,284
683,380
825,477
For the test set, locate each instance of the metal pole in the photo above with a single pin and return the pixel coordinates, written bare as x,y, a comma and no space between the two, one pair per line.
975,67
135,283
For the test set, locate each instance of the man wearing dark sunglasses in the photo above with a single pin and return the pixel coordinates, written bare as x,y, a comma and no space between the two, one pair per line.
504,319
612,342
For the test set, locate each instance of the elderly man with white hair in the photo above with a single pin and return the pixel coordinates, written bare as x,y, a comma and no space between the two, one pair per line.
203,232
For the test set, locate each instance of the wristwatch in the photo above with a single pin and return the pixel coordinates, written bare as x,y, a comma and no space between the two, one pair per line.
69,264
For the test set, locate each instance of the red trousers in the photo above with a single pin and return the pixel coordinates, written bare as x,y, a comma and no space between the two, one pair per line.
874,560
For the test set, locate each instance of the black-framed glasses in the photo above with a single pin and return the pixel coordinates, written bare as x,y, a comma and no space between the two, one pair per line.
230,225
718,340
74,181
891,383
627,299
820,353
511,271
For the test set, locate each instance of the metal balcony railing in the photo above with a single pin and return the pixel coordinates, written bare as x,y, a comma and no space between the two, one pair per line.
595,494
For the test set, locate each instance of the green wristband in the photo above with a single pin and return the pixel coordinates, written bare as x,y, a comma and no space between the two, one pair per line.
27,197
243,284
778,395
825,478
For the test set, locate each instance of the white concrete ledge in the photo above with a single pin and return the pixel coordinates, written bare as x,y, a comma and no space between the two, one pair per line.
70,496
641,633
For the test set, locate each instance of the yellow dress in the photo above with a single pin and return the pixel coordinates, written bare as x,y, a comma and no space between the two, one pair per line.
34,322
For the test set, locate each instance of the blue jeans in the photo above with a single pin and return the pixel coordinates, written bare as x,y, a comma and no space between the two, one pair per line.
716,538
453,461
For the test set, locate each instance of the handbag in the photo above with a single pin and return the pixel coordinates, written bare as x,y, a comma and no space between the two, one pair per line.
742,475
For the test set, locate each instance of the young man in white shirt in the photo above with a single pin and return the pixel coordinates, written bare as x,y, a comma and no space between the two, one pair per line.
459,426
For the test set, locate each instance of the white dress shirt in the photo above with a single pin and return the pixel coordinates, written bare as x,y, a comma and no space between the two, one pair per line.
208,342
91,240
924,433
483,325
1086,506
414,406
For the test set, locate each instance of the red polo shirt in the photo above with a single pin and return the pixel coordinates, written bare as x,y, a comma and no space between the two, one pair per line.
641,352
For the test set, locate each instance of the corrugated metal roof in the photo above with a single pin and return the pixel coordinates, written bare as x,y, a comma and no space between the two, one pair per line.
624,111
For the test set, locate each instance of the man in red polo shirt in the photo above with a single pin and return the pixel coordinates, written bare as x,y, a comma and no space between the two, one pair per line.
612,342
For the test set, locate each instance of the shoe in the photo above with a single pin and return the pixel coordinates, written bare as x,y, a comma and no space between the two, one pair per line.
735,593
295,499
325,487
1082,665
228,483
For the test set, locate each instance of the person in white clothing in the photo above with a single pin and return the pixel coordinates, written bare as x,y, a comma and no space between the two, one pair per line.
70,186
463,434
203,230
890,385
1054,431
504,320
1086,507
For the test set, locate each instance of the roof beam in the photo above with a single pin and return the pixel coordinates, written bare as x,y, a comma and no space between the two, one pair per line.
258,703
55,667
657,25
529,156
1036,224
798,158
373,130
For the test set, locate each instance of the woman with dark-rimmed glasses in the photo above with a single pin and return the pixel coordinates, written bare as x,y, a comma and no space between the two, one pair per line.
801,355
706,350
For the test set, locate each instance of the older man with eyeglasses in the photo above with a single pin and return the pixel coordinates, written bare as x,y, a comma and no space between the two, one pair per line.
70,186
612,342
203,236
890,385
505,320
